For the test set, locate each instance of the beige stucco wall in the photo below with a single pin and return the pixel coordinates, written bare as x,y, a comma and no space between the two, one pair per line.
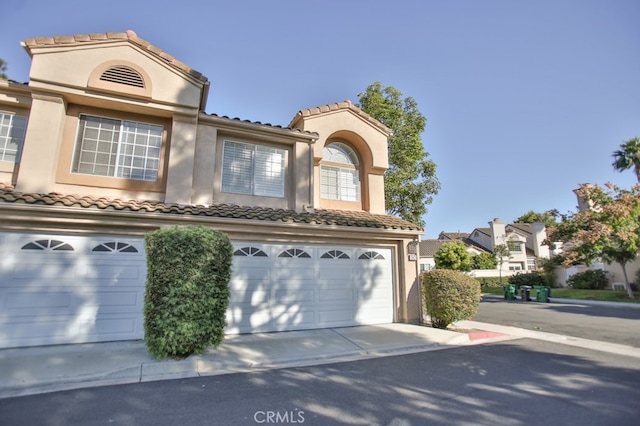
180,170
42,143
369,142
70,67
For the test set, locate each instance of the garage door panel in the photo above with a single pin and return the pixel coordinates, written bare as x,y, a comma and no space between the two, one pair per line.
240,320
331,317
288,297
20,302
289,273
344,295
249,272
73,295
332,272
113,273
26,269
251,297
246,284
293,316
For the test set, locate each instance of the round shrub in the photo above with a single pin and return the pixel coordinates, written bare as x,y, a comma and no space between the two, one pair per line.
187,292
591,279
449,296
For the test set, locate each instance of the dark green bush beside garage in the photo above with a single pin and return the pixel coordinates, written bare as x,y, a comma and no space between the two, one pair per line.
187,292
449,296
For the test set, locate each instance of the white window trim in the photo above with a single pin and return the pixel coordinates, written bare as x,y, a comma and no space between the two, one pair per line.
148,164
7,119
261,169
340,180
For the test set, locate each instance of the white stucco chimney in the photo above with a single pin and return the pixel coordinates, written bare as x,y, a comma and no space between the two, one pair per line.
538,235
498,233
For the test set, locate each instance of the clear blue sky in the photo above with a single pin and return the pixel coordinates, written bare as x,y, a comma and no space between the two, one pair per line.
524,99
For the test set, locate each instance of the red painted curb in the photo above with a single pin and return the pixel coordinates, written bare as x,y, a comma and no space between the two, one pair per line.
477,335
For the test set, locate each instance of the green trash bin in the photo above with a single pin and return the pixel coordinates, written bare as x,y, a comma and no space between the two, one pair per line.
509,292
542,294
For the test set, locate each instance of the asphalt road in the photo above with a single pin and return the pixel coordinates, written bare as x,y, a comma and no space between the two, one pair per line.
515,382
611,324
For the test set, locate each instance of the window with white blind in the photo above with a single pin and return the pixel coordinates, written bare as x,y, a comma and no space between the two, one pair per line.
12,132
339,174
253,169
117,148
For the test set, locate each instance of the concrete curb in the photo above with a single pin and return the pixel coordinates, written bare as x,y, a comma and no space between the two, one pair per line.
515,332
29,371
571,301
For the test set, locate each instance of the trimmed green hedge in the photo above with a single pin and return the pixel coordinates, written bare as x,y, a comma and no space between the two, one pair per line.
531,279
187,293
591,279
449,296
491,282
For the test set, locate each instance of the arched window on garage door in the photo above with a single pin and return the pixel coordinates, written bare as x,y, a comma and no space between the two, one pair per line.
115,247
250,252
55,245
335,254
299,253
370,255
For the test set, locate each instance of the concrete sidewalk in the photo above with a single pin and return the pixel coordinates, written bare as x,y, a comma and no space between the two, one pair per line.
25,371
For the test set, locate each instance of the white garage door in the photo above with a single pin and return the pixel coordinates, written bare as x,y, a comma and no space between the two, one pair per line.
74,289
70,289
280,287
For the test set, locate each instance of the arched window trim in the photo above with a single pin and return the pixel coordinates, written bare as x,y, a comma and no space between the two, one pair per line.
340,180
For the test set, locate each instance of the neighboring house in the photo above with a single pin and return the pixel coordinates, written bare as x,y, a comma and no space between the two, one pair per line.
109,140
524,242
614,270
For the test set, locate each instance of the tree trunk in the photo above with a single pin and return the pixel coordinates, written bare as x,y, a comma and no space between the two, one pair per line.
626,280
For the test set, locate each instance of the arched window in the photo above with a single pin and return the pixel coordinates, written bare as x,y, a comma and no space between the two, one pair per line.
339,173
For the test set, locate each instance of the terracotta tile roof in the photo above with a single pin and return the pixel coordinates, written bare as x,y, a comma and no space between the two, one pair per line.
358,219
98,37
259,123
345,105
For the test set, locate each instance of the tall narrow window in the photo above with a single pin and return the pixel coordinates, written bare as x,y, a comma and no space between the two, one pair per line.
117,148
253,169
339,174
12,132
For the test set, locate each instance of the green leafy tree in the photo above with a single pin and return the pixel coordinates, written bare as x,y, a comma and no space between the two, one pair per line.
628,157
453,256
609,230
547,218
501,251
3,68
410,181
484,261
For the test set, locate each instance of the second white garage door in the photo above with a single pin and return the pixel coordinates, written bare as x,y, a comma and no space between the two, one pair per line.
282,287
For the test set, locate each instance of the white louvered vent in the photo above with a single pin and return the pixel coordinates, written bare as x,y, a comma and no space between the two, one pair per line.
123,75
